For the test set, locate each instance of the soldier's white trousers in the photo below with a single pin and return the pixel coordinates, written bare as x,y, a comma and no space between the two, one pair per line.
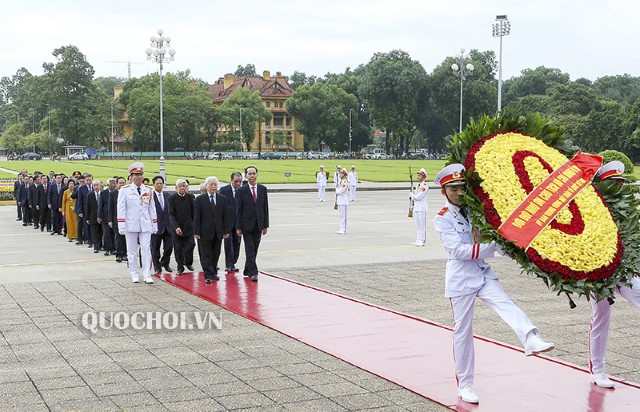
600,320
321,190
342,212
144,238
421,227
497,299
352,193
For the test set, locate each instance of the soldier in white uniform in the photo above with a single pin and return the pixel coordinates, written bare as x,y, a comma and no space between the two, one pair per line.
336,176
342,200
137,221
353,182
468,277
321,179
601,311
420,207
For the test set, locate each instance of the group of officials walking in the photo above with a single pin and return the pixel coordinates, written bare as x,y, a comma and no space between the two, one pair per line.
144,225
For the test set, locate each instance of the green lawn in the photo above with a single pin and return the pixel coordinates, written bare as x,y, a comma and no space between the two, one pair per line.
270,171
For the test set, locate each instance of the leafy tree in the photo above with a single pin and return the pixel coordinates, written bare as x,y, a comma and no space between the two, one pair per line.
106,84
624,89
298,79
603,128
533,81
322,112
247,70
253,112
394,92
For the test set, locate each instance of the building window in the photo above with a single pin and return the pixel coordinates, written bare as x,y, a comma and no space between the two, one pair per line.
281,104
268,104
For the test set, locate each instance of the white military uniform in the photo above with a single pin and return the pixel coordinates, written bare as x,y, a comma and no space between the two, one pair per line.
601,311
468,276
343,202
321,179
420,209
137,221
353,183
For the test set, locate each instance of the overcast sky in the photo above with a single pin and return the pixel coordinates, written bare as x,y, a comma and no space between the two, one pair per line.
585,38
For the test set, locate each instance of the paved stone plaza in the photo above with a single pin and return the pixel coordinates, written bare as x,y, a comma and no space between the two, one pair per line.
48,362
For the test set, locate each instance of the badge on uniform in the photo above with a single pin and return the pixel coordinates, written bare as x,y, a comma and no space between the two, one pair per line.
146,198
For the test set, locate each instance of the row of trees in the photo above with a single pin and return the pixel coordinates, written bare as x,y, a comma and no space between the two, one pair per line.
391,92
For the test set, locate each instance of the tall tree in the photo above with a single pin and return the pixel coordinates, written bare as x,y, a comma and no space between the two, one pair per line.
246,70
533,81
253,112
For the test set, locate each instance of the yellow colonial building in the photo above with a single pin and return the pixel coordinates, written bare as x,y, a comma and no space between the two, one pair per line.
279,134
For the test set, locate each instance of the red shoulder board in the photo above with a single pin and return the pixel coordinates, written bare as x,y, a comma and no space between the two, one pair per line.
443,211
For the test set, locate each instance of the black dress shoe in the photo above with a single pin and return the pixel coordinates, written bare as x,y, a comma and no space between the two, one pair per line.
180,271
18,219
215,277
70,240
207,281
79,242
24,224
52,233
96,251
107,253
118,259
254,278
190,267
235,269
167,268
157,271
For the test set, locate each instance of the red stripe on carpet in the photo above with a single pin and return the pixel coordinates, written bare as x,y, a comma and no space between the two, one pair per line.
411,352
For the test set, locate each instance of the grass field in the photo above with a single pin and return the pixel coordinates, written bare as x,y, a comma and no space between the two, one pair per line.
269,171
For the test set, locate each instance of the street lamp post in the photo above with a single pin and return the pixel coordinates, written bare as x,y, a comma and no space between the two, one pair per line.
501,28
112,148
462,68
49,131
241,148
158,53
350,129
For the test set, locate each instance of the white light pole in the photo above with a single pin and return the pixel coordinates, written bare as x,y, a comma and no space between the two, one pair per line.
462,69
350,110
501,28
112,148
157,52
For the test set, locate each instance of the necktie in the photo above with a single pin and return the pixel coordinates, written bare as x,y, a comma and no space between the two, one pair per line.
161,200
58,188
255,198
213,200
463,212
45,188
139,192
98,197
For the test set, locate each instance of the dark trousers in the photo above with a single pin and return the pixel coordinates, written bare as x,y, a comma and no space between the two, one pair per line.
231,249
209,256
19,210
167,247
36,216
96,234
86,231
81,228
120,243
183,249
56,220
108,240
45,219
251,244
26,213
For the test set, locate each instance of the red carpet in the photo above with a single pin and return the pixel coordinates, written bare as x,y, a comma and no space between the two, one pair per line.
411,352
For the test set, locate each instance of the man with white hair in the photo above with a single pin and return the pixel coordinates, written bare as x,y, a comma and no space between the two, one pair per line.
181,209
321,179
211,223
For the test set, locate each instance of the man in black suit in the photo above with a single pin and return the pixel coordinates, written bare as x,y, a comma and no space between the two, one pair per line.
91,215
163,236
252,219
42,204
34,203
54,200
23,200
81,205
181,209
119,240
210,226
232,243
16,193
103,214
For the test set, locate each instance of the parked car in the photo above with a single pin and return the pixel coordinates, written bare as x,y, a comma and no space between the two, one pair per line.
272,156
78,156
251,155
219,156
381,156
31,156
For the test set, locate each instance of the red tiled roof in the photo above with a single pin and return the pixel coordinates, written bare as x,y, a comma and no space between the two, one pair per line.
273,88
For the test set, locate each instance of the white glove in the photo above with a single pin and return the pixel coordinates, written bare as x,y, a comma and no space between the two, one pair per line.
121,231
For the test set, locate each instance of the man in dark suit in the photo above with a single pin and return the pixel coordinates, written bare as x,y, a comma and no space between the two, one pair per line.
119,240
252,219
34,204
91,215
181,208
232,243
163,236
23,200
81,195
210,226
108,238
42,203
54,200
16,193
